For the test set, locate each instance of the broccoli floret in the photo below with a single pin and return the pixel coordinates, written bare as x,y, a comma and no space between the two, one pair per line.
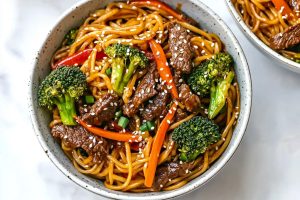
62,87
71,36
194,136
213,78
218,94
202,78
125,61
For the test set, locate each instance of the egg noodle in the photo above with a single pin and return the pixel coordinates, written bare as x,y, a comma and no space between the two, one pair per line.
265,21
124,169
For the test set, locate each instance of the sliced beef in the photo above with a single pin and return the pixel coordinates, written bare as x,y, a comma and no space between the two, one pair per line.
156,106
288,38
178,80
103,110
180,115
77,136
145,90
295,4
83,108
180,48
169,171
190,100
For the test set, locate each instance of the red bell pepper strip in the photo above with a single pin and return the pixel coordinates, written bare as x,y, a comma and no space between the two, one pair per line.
163,68
157,144
78,58
122,137
283,7
160,5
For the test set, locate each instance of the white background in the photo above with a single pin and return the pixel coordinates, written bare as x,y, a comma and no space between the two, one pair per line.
266,165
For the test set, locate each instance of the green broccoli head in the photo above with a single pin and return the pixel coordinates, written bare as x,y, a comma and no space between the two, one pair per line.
71,36
194,136
125,61
61,88
202,78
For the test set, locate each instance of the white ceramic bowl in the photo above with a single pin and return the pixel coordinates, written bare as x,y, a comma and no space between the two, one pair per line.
41,117
283,61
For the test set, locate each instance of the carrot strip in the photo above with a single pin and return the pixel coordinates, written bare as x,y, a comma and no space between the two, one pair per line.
160,5
123,137
162,67
283,7
157,144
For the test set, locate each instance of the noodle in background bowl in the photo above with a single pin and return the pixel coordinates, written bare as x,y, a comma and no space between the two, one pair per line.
283,61
41,118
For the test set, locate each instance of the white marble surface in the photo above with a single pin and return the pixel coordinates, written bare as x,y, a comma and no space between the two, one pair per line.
266,165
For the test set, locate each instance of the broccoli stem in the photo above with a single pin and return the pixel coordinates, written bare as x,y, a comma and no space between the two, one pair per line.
67,110
130,70
118,66
218,95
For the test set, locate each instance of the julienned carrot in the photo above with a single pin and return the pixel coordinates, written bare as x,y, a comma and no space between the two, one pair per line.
123,137
283,7
160,5
78,58
157,144
162,67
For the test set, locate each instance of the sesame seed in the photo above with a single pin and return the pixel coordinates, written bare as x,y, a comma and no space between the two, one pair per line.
168,121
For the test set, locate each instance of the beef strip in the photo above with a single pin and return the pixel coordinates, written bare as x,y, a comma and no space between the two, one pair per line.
288,38
157,105
145,90
103,110
169,171
77,136
190,100
180,115
83,108
295,4
178,80
180,48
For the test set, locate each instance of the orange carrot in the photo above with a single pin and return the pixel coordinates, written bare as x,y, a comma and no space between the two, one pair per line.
162,67
281,5
123,137
160,5
157,144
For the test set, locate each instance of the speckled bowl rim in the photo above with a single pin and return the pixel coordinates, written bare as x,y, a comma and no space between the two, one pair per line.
189,187
287,63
